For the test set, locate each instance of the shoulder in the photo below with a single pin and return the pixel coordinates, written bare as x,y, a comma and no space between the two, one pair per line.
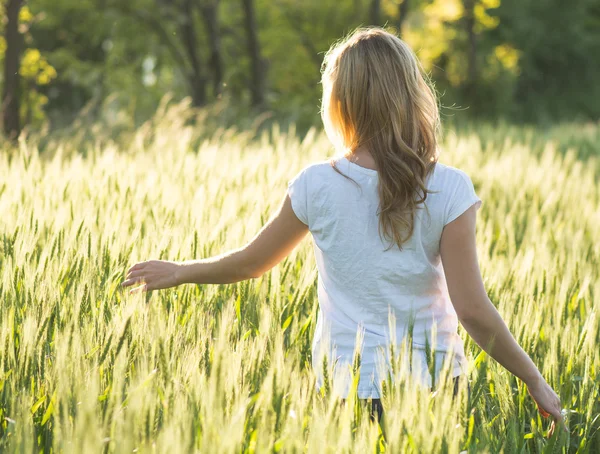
318,167
305,190
458,192
446,176
315,172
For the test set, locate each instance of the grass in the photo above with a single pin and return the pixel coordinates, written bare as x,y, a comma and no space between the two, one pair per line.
85,367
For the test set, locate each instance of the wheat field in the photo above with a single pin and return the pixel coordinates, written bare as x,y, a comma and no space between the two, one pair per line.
86,367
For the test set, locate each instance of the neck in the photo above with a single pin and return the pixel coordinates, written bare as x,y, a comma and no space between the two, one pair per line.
362,157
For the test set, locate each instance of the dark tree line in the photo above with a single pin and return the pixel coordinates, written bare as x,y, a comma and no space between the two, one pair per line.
10,91
517,60
190,18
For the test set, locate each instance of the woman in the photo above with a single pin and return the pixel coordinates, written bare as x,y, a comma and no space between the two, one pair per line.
393,230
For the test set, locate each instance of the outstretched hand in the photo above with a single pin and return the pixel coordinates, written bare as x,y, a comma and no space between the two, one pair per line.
152,275
548,402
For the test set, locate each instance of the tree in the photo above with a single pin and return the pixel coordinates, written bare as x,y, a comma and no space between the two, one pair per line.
115,55
209,10
375,12
469,21
257,85
175,25
195,74
403,9
10,92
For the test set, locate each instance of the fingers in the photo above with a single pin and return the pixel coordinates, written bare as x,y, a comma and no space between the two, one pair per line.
137,266
552,427
554,412
132,281
557,417
556,409
136,273
560,419
552,407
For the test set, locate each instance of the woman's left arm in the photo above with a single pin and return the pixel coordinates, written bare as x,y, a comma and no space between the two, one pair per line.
276,239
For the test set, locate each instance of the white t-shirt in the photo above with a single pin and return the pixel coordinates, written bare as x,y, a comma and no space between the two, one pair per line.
359,282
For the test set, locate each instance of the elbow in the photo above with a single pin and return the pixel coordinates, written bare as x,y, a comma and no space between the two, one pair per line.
471,307
474,314
467,314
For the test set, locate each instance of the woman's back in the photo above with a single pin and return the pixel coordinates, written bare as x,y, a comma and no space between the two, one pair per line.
362,280
377,100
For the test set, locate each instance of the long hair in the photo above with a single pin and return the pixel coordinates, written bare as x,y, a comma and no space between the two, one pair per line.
375,96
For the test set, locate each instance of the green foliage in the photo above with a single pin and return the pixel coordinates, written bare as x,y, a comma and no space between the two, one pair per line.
528,65
87,367
557,70
35,70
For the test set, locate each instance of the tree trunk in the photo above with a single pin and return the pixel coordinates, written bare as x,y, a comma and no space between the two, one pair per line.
469,11
257,87
402,13
12,58
375,12
196,79
211,21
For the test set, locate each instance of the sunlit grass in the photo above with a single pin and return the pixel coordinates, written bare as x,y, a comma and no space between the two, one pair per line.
85,367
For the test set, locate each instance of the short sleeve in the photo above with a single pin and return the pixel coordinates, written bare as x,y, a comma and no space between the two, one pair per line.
463,198
298,193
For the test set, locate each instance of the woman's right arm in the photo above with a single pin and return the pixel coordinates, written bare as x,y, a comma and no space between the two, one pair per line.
479,316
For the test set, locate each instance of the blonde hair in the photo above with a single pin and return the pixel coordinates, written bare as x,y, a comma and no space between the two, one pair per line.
375,96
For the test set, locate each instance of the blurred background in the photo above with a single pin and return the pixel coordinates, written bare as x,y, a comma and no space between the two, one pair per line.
244,62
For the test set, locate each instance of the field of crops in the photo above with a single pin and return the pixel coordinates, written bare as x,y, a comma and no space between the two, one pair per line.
85,367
